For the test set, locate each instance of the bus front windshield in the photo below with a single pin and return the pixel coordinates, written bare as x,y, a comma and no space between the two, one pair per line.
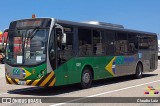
27,46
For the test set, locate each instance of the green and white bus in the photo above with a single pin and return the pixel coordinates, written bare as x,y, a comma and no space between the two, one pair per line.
50,52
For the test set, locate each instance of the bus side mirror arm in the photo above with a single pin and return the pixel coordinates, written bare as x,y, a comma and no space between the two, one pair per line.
63,40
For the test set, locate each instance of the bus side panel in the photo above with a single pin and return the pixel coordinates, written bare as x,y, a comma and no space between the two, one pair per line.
149,60
102,67
70,72
125,65
61,73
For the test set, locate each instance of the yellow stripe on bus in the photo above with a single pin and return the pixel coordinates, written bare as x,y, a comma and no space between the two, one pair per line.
7,80
28,81
47,79
10,80
52,83
17,80
35,82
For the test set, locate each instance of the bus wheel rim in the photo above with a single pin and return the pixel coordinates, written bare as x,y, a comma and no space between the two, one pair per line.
140,71
86,78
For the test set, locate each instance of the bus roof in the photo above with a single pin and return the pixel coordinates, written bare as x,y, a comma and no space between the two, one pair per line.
121,28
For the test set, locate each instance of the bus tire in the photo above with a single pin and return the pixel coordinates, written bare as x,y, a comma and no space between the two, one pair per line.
86,78
139,71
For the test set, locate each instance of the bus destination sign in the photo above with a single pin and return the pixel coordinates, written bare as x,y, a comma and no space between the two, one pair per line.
29,23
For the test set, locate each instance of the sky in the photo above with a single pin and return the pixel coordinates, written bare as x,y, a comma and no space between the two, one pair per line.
143,15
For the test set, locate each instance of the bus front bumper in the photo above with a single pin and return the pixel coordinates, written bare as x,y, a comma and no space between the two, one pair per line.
46,81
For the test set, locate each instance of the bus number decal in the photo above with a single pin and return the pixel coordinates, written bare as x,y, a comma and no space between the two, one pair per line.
78,64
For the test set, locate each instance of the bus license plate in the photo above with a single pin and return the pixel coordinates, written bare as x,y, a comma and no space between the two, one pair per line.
22,82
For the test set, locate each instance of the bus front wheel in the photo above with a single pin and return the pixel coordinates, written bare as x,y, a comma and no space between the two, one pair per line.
139,70
86,78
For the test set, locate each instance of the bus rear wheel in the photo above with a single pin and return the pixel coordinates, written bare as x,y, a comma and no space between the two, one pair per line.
86,78
139,71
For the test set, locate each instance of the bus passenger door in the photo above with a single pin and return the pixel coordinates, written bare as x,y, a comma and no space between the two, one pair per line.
61,70
64,54
55,49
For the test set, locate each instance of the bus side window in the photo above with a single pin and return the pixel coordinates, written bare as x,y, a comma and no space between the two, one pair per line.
133,43
147,42
121,43
98,47
67,49
109,44
85,42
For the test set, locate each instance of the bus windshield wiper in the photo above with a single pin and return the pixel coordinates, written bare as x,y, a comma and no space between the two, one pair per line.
31,35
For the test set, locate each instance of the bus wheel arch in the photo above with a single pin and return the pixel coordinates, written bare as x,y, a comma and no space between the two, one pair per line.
139,70
87,76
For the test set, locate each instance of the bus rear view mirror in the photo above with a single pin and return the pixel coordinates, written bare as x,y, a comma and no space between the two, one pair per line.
64,38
